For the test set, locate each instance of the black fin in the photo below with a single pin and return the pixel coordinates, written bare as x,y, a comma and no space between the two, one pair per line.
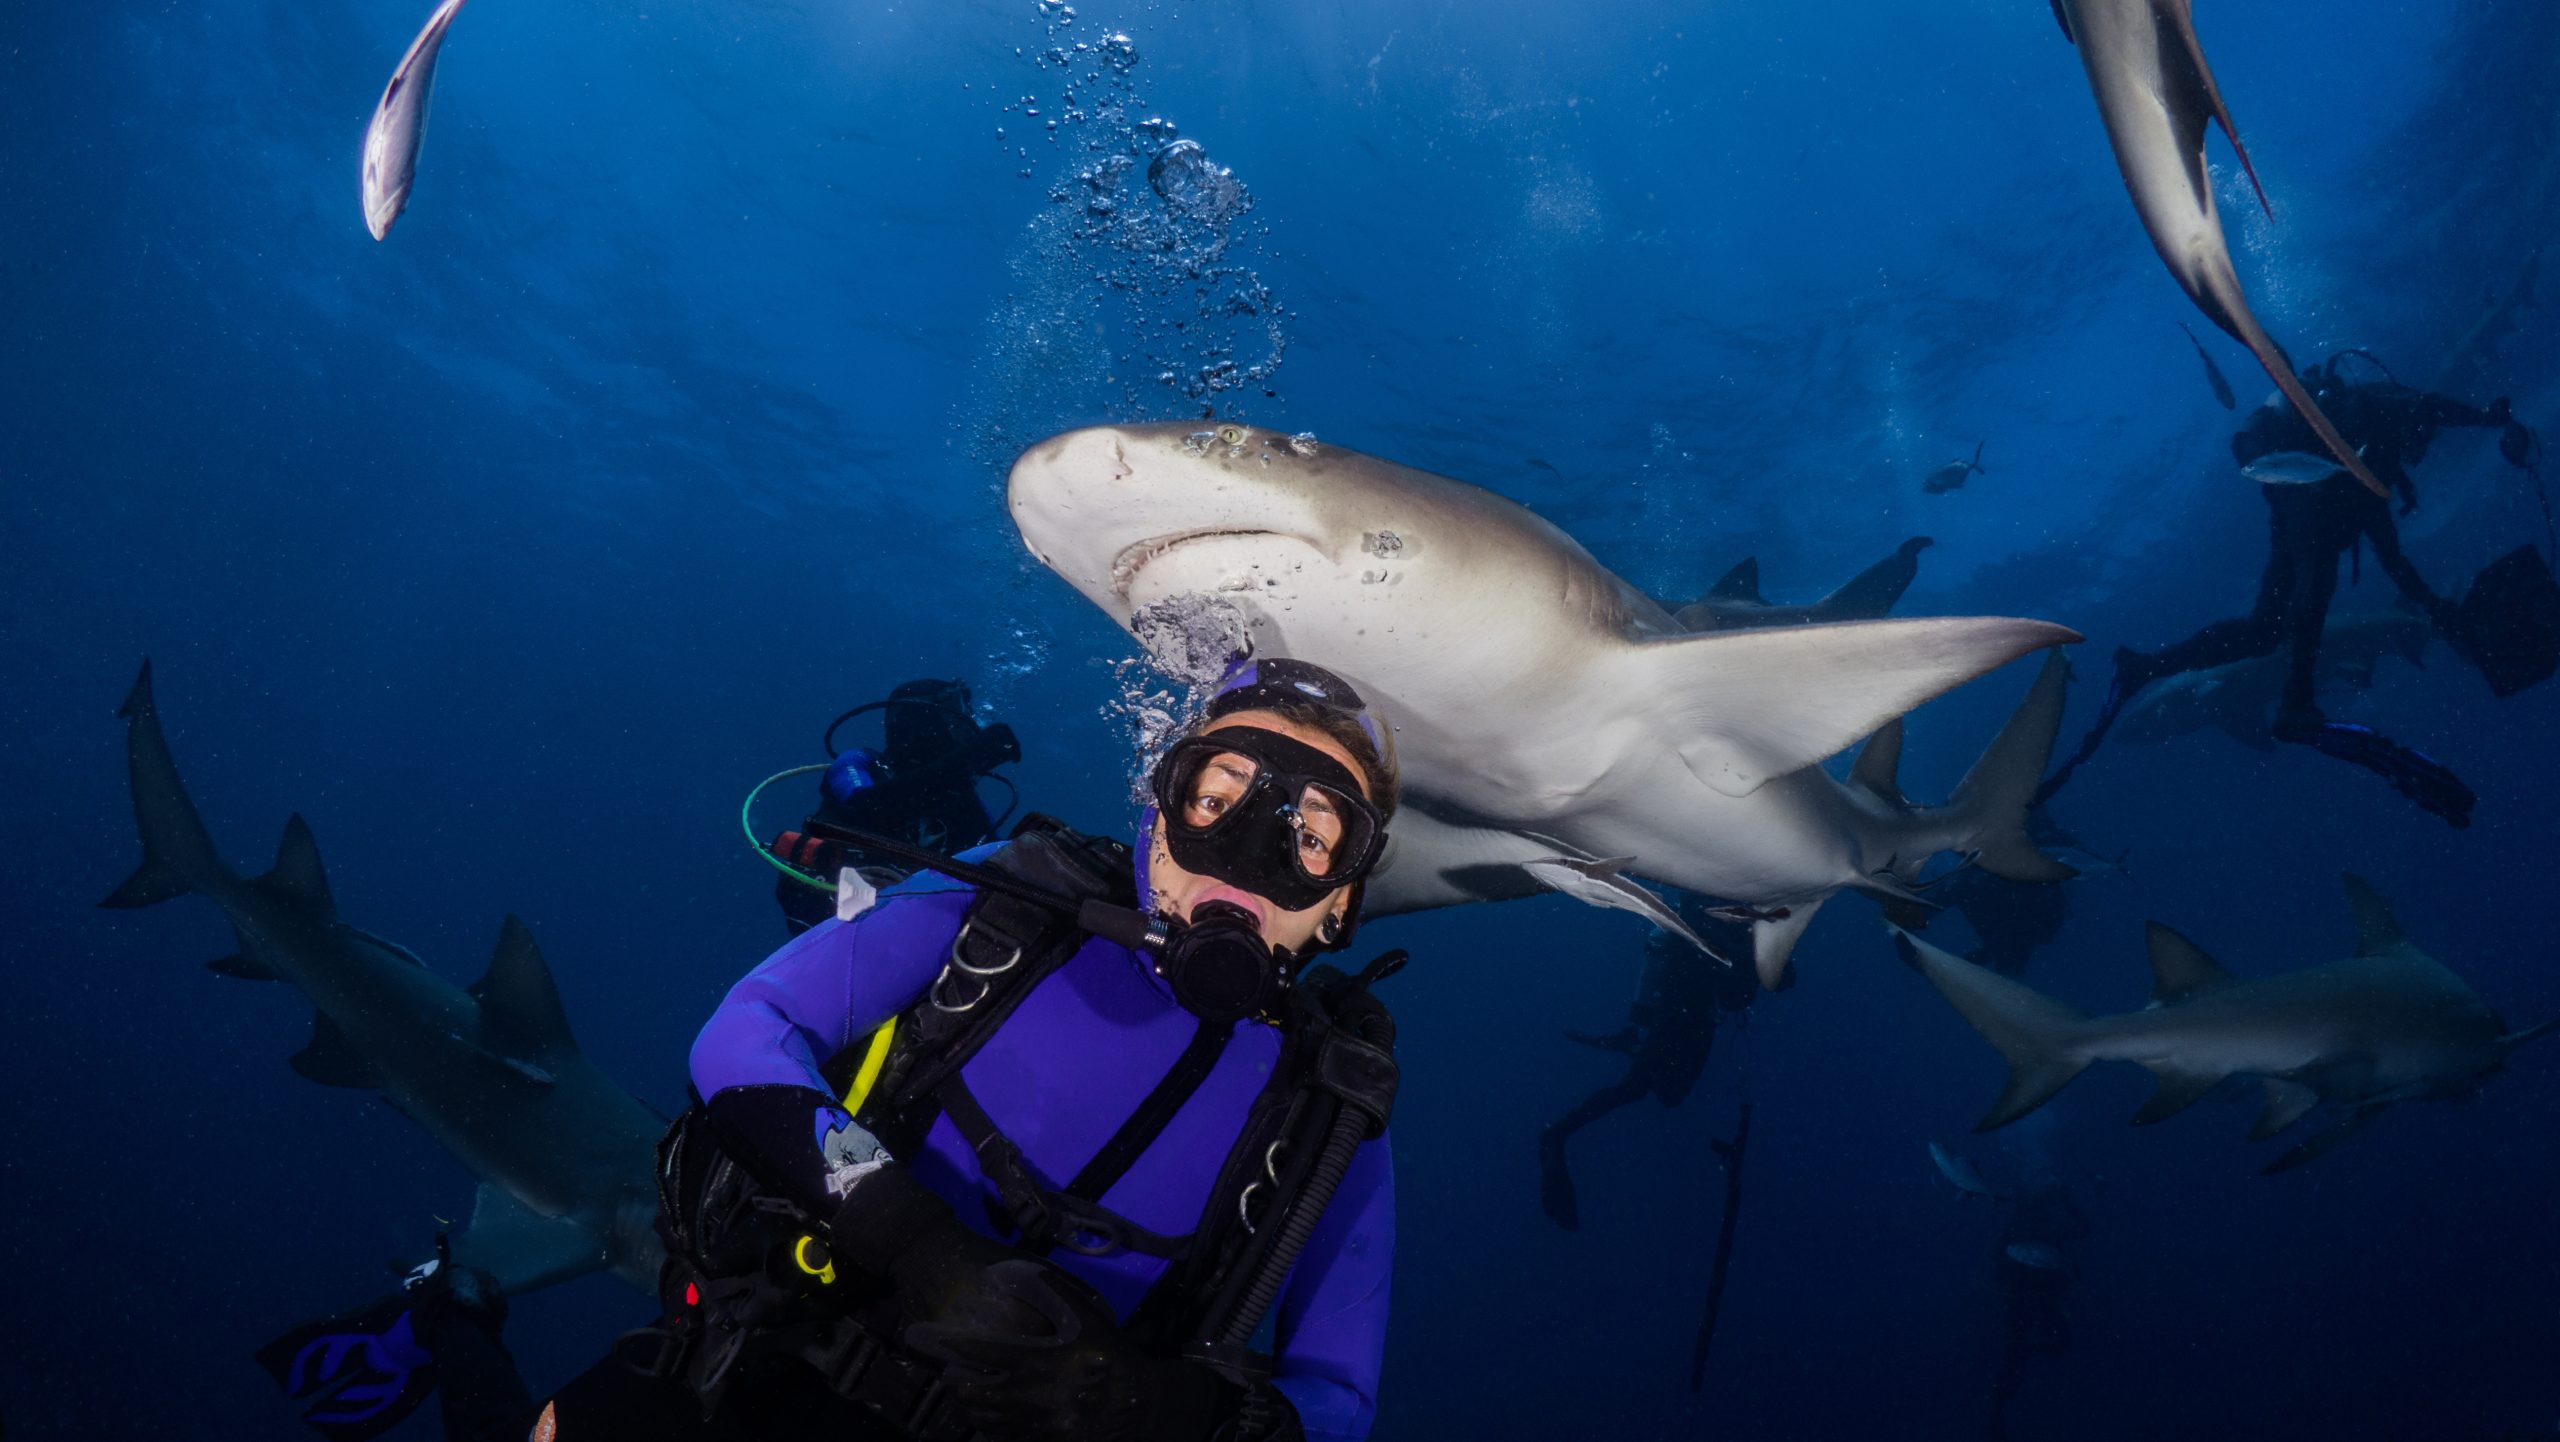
2179,968
1879,763
520,1011
2062,18
298,873
2376,928
2178,1091
2321,1142
1871,594
332,1060
241,968
1742,583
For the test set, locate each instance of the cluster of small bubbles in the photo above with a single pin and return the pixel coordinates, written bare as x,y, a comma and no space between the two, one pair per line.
1195,317
1188,644
1303,445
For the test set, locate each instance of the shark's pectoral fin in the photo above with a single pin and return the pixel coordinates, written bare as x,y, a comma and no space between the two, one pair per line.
520,1011
2324,1141
298,874
1742,707
333,1059
523,1249
1773,941
241,967
2287,1102
2178,1091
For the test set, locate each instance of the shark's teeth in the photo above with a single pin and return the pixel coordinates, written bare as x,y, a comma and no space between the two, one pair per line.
1134,557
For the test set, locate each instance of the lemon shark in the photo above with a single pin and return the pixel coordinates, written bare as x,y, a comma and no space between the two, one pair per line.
1545,710
2156,96
564,1155
2388,1024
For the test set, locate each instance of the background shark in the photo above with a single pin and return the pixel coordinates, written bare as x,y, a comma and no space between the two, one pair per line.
2388,1024
2157,97
1735,603
1537,698
2240,699
564,1155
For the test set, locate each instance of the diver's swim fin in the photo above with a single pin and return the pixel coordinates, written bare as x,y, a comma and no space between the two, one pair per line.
359,1374
2508,623
1555,1185
2413,774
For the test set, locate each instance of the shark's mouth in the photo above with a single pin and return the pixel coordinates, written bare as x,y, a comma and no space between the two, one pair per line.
1136,556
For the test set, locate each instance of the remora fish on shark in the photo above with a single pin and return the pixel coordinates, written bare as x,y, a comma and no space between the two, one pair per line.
1735,603
1535,694
399,125
2156,96
565,1157
2388,1024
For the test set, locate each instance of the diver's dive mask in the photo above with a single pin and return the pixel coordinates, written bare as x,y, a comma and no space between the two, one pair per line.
1266,813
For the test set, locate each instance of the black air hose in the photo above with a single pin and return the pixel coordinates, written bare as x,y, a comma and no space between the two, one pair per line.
1350,1128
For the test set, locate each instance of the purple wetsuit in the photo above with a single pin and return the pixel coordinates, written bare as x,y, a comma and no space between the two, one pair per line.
1059,1077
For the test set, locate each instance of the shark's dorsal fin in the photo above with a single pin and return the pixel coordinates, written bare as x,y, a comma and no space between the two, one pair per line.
332,1060
1742,583
1868,595
1879,763
520,1011
298,873
1743,706
2179,968
2377,930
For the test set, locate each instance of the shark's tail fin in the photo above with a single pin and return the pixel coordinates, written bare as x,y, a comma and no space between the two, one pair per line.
2039,1037
1989,808
178,854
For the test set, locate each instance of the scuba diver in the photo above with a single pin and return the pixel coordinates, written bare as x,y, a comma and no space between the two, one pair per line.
2032,1274
1681,997
920,786
2316,514
1035,1145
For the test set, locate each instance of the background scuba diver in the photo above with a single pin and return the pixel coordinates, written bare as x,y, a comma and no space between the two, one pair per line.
2316,513
1148,1069
1681,996
920,786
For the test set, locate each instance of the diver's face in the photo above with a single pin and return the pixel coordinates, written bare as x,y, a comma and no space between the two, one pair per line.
1178,891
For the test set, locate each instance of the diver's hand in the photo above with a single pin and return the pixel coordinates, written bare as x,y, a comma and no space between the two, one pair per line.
891,1226
1037,1356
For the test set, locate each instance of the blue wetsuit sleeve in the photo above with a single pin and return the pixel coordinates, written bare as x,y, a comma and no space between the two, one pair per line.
1332,1327
757,1062
833,983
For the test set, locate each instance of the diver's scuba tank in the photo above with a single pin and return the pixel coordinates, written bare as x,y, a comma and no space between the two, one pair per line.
919,786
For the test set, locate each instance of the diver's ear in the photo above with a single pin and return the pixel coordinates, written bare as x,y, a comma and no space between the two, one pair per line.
1330,929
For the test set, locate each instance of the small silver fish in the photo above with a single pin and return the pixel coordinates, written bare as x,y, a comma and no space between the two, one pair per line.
400,124
2043,1256
2291,468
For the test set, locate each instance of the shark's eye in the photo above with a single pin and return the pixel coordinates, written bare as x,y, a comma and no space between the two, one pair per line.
1231,434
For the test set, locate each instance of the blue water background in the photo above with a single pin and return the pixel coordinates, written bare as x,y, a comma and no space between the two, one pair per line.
672,419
